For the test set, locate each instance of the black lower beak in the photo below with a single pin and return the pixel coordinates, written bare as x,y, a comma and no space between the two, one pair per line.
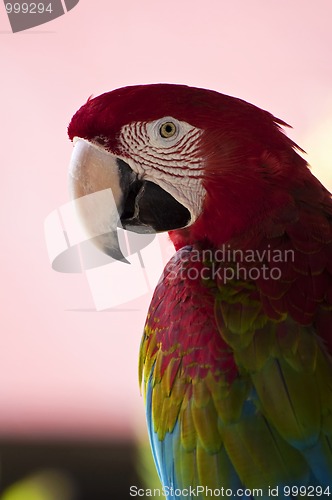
148,208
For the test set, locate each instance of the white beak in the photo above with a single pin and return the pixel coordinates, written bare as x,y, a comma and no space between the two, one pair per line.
94,183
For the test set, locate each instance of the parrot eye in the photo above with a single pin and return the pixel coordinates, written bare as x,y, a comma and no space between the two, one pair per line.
167,130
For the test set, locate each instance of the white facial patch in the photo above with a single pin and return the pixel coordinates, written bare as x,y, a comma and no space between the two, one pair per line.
166,152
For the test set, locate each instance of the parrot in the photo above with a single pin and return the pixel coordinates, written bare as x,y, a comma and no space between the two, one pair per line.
235,361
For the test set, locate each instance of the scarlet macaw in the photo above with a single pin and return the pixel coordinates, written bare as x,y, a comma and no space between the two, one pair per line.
235,358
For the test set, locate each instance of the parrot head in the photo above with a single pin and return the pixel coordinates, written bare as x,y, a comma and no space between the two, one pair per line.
191,161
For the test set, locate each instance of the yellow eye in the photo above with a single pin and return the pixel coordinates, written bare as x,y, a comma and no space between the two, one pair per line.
167,130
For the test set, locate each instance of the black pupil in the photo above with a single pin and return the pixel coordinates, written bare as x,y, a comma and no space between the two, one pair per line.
168,128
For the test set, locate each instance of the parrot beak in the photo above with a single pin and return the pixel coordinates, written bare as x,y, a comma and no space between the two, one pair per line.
117,198
95,172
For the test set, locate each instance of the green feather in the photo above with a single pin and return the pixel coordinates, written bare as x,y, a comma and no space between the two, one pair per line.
260,456
290,400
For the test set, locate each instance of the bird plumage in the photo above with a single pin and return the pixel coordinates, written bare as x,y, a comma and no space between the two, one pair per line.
235,359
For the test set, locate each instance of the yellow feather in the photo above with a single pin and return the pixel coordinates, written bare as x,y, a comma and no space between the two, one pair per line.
185,466
228,399
208,468
201,394
167,417
206,424
168,375
187,429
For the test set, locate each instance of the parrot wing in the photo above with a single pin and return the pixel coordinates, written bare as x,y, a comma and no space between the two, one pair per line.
184,386
250,405
280,331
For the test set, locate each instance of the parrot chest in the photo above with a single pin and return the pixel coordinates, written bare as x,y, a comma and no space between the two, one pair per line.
222,377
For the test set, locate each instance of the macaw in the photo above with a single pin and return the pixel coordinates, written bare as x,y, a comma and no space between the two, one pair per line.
235,361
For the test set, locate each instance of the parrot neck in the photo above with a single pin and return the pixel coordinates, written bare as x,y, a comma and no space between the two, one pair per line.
251,189
244,226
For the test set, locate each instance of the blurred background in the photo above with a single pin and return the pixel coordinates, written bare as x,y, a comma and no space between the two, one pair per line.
71,416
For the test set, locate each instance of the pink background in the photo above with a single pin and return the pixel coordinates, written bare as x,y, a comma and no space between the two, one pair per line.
65,368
